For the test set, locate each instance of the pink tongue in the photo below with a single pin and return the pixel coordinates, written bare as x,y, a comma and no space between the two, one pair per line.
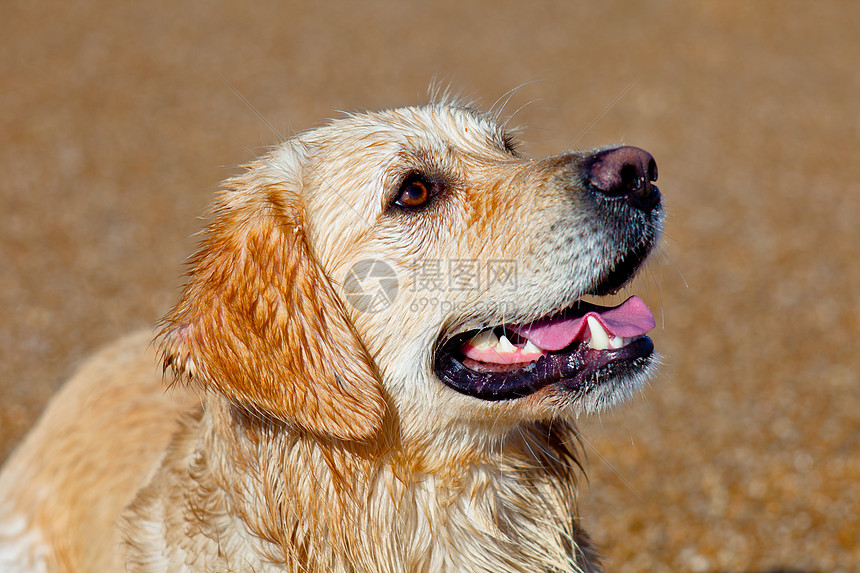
630,318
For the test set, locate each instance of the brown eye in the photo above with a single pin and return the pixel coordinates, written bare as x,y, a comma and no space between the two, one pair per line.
414,192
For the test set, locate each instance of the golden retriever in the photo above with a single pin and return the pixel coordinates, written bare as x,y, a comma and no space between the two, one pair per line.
378,356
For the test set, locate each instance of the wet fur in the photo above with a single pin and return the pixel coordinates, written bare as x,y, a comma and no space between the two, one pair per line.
302,434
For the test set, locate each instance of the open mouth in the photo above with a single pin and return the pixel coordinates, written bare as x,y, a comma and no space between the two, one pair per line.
576,348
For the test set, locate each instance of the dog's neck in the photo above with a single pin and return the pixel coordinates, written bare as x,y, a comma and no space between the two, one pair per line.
312,503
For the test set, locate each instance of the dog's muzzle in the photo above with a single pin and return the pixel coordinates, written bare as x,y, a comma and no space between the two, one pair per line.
585,345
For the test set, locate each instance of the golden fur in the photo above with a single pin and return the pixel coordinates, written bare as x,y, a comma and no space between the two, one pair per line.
304,434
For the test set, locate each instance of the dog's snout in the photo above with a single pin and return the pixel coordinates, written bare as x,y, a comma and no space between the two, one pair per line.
624,172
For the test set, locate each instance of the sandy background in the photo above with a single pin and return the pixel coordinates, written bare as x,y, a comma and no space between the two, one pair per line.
118,119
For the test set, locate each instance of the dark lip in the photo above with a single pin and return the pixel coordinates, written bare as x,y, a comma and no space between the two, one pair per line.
576,368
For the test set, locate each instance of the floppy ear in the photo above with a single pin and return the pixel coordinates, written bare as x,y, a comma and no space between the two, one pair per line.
260,322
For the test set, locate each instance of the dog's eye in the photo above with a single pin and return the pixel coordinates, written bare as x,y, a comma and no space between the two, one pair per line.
414,192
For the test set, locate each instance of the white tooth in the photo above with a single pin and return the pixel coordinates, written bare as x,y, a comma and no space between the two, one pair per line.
599,338
505,345
530,348
484,340
618,342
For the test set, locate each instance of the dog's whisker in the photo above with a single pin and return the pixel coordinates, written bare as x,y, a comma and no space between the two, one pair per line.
443,93
280,136
611,467
602,113
519,109
496,112
665,254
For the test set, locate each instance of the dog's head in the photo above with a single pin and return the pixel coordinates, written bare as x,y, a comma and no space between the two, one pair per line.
411,263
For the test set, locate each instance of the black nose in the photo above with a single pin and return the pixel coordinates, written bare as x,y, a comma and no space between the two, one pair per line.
625,172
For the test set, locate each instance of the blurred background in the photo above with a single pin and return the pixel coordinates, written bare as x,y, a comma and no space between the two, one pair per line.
118,120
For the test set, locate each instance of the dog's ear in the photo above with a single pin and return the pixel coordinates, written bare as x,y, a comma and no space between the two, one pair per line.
260,322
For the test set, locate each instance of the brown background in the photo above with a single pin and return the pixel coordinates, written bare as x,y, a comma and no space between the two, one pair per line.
119,119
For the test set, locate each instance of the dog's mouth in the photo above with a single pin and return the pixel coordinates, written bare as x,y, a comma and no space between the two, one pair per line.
577,348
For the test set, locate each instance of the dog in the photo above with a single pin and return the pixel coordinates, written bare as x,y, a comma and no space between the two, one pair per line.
377,362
